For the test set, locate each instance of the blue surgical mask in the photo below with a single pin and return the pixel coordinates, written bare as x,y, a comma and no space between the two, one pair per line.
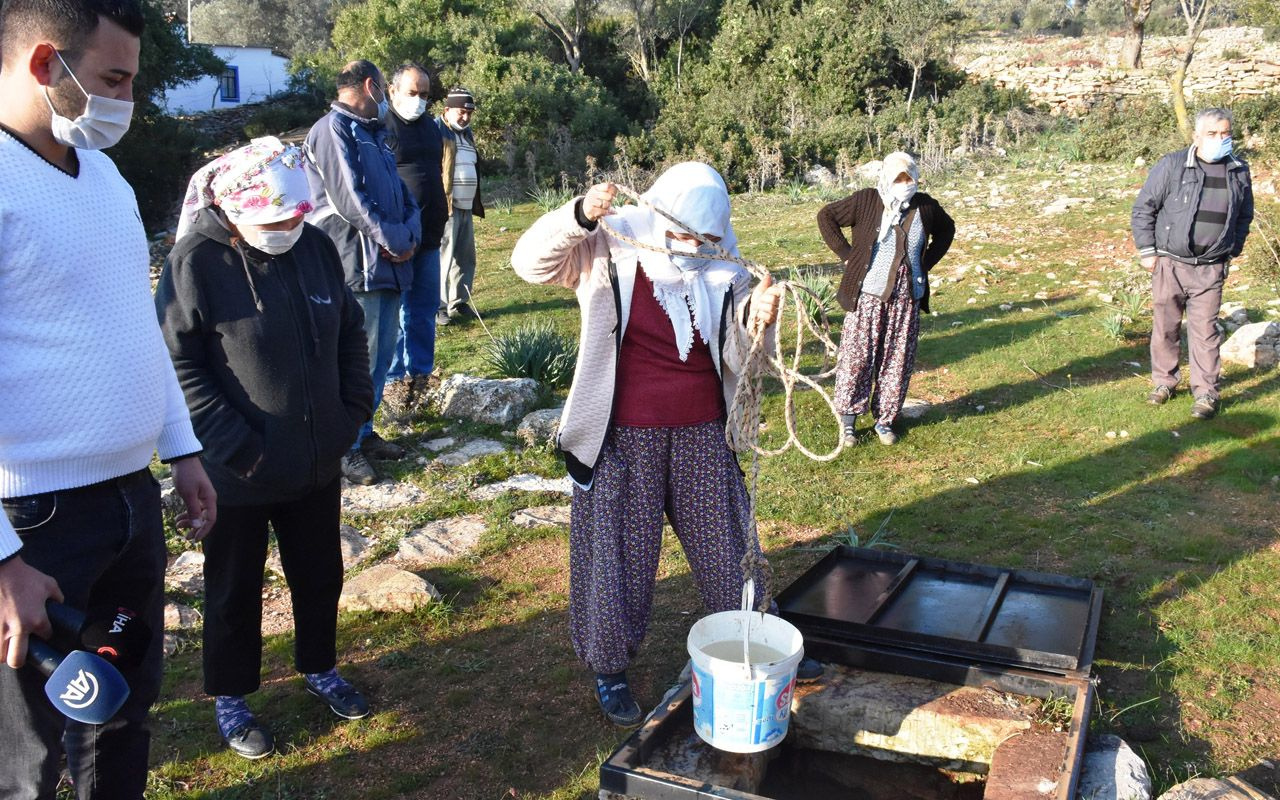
384,106
1222,150
687,257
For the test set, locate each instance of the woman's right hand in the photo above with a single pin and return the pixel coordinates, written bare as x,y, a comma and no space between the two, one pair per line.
598,201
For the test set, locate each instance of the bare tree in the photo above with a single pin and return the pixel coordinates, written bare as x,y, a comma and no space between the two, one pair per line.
1196,14
681,16
921,31
1135,17
640,40
566,20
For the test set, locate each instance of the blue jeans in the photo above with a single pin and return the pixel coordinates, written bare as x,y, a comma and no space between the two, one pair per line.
104,544
416,345
381,328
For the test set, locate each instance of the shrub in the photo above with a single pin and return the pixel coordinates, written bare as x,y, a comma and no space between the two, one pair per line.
535,351
283,114
157,158
1126,130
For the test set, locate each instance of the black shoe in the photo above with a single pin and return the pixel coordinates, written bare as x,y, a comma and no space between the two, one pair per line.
614,695
343,698
374,446
250,740
1204,407
357,469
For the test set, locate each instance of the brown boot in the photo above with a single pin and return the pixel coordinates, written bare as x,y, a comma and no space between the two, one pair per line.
397,398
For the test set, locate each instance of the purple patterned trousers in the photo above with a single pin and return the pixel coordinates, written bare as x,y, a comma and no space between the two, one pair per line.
878,344
615,535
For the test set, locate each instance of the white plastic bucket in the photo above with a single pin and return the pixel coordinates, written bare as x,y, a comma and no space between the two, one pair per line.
741,707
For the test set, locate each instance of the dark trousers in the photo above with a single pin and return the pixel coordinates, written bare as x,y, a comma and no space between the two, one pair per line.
104,544
235,553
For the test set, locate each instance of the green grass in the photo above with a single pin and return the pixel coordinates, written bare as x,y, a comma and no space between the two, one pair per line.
1176,520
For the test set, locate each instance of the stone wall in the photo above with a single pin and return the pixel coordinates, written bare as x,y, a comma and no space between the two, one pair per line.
1072,75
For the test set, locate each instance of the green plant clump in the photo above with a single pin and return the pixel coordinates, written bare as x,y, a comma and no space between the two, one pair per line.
549,199
819,300
535,351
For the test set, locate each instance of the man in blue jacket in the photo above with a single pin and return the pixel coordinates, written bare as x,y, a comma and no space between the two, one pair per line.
372,217
1190,219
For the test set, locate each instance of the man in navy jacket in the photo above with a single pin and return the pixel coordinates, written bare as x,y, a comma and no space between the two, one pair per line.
416,141
372,217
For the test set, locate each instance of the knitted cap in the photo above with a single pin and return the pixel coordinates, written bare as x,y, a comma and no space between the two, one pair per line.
460,98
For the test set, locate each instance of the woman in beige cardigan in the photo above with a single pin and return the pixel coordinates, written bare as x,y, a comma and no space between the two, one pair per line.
642,431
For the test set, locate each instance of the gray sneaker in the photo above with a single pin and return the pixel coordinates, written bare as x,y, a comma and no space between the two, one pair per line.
848,434
1204,407
357,469
886,434
1160,395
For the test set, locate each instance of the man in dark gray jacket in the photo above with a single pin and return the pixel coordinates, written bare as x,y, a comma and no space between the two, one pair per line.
372,217
1190,219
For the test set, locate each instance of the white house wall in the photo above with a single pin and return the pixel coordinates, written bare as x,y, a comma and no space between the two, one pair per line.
261,73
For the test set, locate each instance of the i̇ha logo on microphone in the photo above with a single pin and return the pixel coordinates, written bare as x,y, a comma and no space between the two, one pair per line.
82,691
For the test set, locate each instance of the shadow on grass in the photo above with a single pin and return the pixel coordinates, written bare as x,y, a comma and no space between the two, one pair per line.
568,301
489,703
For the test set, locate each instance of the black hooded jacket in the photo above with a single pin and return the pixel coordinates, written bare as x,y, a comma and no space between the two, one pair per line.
271,355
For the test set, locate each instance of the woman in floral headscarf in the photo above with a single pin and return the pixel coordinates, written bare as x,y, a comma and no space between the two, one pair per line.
643,429
269,348
898,235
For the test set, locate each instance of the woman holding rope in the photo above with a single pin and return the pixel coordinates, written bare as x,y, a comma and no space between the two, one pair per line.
898,235
643,429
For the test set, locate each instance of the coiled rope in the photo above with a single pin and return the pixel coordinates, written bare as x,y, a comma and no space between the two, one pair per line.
742,430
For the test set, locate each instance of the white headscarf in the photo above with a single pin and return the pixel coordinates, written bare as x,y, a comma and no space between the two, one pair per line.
894,210
695,194
260,183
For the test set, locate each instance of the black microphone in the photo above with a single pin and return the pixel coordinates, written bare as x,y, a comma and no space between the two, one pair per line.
117,635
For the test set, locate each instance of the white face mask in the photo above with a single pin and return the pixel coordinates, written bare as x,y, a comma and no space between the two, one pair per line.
102,124
903,192
273,243
410,108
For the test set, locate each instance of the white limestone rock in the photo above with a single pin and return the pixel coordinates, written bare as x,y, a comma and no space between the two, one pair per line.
442,540
523,483
489,401
1256,346
386,588
1113,771
539,428
476,448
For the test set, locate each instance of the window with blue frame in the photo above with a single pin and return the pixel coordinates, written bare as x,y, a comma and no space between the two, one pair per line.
229,85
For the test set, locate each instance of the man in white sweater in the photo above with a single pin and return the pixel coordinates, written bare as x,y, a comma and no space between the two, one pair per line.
87,391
